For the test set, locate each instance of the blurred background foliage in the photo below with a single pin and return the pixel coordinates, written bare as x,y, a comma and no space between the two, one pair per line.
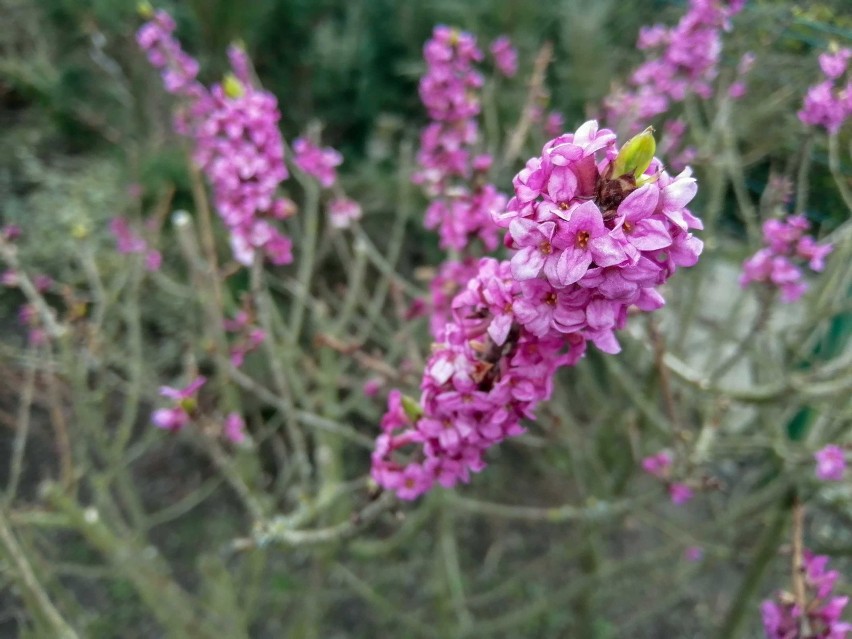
83,117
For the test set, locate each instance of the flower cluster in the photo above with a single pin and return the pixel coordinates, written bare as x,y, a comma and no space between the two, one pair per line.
247,336
452,176
237,144
829,103
27,313
343,211
595,231
129,242
484,376
451,277
28,317
773,264
505,56
177,68
830,463
595,236
784,618
234,428
184,406
660,466
317,162
687,63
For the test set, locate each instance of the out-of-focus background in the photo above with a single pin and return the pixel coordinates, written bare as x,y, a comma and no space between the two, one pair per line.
588,548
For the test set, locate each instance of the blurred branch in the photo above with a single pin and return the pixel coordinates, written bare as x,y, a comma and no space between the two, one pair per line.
38,601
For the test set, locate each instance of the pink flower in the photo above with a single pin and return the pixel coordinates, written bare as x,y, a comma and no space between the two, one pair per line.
234,428
585,251
451,174
127,241
176,417
342,212
658,465
774,265
828,104
9,278
680,493
693,554
372,386
505,56
686,63
554,124
317,162
590,241
236,143
833,65
830,463
782,618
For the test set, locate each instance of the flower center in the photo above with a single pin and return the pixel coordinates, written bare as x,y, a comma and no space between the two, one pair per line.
582,239
627,227
550,299
545,247
563,206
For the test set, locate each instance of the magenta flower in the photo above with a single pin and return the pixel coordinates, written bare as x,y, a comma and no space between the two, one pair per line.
129,242
828,103
450,171
236,143
586,248
591,241
234,428
786,240
783,617
680,493
830,463
179,415
693,554
372,386
682,60
658,465
505,56
342,212
554,124
317,162
538,250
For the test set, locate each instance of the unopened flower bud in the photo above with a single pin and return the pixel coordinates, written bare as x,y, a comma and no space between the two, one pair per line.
636,154
233,87
412,409
145,10
80,231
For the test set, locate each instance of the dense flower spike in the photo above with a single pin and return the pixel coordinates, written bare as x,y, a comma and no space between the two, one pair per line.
784,618
234,128
785,241
829,103
687,63
451,175
595,231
